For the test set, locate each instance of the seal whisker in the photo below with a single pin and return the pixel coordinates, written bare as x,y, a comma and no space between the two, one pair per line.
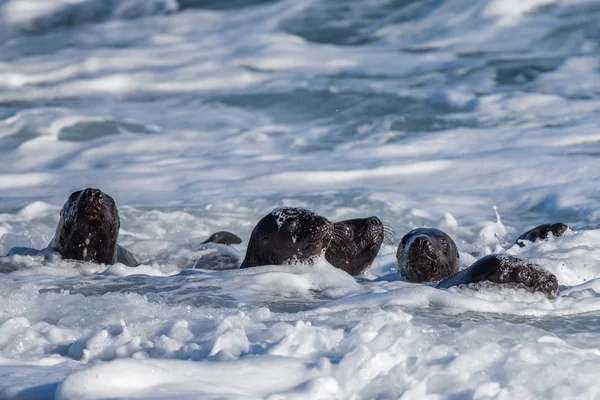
341,239
389,235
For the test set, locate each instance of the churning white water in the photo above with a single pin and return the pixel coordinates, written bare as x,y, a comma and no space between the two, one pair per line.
478,117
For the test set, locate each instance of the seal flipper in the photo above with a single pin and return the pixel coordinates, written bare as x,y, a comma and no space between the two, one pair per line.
223,237
541,232
124,256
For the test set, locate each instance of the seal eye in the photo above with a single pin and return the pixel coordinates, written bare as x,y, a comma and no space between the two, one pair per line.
310,247
522,275
444,244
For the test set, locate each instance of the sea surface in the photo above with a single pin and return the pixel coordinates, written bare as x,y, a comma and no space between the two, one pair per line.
477,117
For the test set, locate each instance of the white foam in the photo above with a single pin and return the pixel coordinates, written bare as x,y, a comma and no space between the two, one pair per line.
236,379
197,116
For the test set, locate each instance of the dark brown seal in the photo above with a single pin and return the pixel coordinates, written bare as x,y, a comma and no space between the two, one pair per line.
286,235
506,270
355,244
541,233
223,237
88,229
427,255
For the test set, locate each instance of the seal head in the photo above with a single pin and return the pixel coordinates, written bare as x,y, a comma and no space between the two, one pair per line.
427,255
88,227
355,244
541,233
223,237
288,234
505,269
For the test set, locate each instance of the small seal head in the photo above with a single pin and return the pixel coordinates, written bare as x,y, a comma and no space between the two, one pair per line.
355,244
541,233
88,227
427,255
288,234
223,237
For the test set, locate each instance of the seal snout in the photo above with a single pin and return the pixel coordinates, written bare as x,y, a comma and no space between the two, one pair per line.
92,205
374,230
91,199
551,286
93,194
421,242
558,229
374,221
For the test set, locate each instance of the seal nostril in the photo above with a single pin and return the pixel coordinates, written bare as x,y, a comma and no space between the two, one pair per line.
374,221
93,193
421,241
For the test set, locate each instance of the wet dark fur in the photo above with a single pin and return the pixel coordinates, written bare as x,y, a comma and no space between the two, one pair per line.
541,232
427,255
302,236
223,237
88,228
355,244
505,269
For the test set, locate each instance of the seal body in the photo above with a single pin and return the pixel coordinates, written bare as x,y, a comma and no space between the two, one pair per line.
505,269
355,244
427,255
288,234
88,229
541,233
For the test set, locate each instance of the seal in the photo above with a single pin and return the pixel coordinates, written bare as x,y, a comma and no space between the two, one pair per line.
355,244
88,229
286,235
541,232
505,269
223,237
427,255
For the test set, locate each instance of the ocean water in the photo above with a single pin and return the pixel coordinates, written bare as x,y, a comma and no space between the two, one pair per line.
478,117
